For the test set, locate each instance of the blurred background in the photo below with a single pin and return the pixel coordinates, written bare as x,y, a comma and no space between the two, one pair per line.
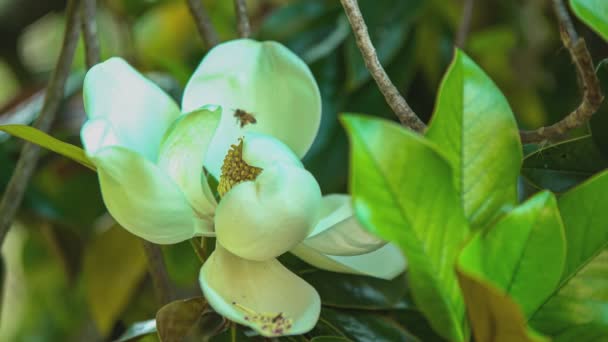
68,276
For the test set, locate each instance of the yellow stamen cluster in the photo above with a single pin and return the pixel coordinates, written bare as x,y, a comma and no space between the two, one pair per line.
274,324
235,170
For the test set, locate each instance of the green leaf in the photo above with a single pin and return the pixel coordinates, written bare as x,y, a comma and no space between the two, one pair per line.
513,252
312,29
493,315
475,128
403,191
329,339
415,323
358,292
389,23
562,166
581,299
114,265
365,326
137,330
594,13
349,291
42,139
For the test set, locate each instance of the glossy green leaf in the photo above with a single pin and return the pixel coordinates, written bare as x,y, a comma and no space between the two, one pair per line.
561,166
594,13
511,254
349,291
394,172
413,321
366,327
583,333
42,139
359,292
329,339
114,265
581,299
312,29
138,330
474,127
494,316
389,23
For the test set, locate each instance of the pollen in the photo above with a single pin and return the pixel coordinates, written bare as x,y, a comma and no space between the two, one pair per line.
235,170
273,324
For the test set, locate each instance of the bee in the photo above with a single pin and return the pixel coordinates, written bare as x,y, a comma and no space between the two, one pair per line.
244,117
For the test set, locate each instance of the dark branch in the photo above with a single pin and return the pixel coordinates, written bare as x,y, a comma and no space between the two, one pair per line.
158,272
13,195
89,32
203,23
465,23
406,115
243,20
592,93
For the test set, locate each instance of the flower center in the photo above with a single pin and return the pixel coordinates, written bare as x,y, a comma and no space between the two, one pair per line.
235,170
273,323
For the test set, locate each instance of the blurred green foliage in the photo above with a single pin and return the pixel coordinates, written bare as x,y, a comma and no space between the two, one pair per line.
54,286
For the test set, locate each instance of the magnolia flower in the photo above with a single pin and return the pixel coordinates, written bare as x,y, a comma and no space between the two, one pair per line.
151,156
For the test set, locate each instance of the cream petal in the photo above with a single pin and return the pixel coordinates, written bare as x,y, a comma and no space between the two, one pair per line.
262,219
265,79
250,292
136,108
182,154
385,263
97,134
261,150
143,199
338,232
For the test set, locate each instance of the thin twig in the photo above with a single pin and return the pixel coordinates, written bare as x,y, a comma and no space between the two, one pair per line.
243,20
13,195
406,115
198,247
158,271
592,93
203,23
465,23
89,32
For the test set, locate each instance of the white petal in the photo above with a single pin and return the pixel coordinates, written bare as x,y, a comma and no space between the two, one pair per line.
262,219
97,134
338,232
261,150
385,263
265,79
143,199
182,154
137,109
240,289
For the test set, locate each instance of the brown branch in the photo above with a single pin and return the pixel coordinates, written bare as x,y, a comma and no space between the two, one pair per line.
203,23
89,32
243,19
158,271
13,195
592,93
404,113
465,23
